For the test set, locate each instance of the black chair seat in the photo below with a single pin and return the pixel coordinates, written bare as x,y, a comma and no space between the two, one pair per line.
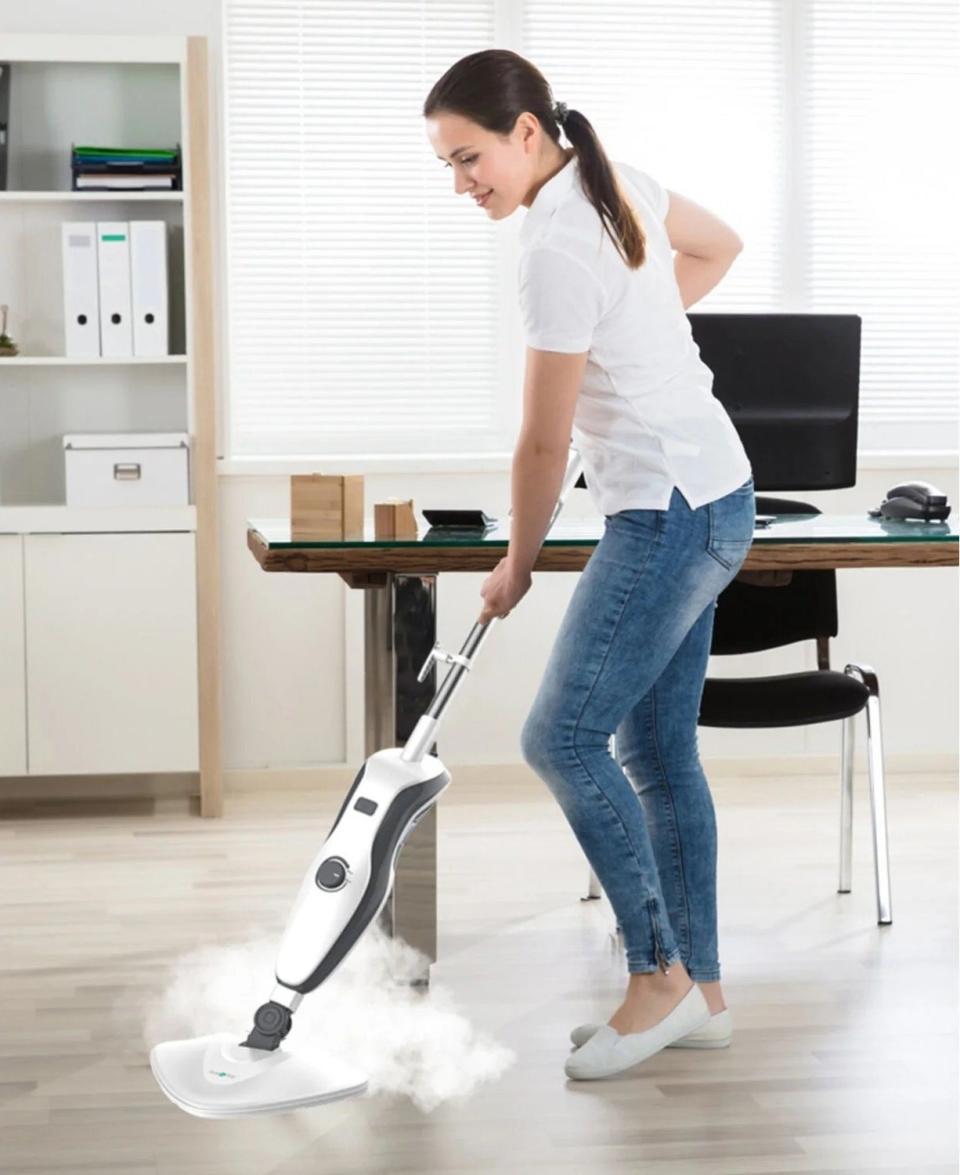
788,699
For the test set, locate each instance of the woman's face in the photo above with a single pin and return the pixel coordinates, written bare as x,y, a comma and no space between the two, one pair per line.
504,167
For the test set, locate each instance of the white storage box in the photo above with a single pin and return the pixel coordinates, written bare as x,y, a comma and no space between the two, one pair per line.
127,469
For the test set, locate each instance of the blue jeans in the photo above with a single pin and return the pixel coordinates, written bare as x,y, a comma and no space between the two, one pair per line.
630,660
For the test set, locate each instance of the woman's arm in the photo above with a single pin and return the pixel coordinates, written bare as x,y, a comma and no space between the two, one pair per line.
706,247
550,388
552,382
535,481
696,276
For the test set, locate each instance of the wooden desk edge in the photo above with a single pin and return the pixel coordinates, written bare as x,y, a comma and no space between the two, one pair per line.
367,567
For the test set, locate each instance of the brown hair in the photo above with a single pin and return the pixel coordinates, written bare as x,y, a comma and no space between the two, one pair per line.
494,87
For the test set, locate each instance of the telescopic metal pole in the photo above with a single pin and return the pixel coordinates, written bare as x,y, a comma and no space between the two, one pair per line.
423,735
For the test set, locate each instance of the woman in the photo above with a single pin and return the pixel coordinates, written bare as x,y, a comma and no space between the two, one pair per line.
611,358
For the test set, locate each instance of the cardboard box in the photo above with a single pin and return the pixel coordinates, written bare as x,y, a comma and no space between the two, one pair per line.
127,469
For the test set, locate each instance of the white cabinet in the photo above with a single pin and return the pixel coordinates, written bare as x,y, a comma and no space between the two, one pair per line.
13,730
111,653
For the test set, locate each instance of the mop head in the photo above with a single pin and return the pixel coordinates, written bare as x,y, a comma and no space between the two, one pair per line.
215,1077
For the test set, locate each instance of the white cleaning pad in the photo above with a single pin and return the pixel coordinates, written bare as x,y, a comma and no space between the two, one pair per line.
215,1077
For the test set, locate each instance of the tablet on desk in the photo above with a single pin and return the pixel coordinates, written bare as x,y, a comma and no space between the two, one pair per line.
459,519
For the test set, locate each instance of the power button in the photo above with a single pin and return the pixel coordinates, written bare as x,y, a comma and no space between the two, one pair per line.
332,873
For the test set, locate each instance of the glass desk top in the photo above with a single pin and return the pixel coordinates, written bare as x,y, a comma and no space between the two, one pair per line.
786,528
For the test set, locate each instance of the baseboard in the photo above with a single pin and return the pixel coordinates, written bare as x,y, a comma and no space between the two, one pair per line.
337,777
517,773
92,787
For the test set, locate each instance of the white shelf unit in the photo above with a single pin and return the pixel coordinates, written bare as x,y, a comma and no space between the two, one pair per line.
109,619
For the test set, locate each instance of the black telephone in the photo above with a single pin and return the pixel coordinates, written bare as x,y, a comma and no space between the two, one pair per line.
914,499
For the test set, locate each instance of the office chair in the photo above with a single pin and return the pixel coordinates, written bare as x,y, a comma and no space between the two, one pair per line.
769,609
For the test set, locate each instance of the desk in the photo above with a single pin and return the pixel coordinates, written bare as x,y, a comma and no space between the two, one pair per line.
399,579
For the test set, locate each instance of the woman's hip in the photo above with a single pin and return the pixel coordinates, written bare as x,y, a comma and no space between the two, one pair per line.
648,581
681,542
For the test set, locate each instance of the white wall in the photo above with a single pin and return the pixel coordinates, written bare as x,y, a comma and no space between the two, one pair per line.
290,694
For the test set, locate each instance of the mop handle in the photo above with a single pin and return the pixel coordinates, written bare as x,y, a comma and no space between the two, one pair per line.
424,733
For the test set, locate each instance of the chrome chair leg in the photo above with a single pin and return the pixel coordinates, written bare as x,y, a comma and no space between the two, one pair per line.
878,806
593,888
847,741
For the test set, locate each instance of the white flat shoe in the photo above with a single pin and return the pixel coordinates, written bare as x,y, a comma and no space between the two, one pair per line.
717,1033
607,1052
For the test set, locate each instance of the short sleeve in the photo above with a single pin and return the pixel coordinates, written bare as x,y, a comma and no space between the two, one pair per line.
658,195
651,189
561,301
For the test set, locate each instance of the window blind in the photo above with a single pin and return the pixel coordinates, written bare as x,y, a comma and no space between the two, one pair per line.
372,311
880,198
362,294
692,93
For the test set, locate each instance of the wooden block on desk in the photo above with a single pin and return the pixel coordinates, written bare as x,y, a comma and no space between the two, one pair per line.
394,519
326,506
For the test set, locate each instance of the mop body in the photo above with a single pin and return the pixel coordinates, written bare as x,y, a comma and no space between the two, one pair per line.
344,889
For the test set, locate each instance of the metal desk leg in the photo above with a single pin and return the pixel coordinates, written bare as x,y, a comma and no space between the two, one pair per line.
399,632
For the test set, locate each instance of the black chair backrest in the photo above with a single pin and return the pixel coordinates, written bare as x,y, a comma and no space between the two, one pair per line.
751,616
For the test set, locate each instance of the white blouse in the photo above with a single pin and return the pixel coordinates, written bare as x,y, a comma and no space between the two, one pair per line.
646,419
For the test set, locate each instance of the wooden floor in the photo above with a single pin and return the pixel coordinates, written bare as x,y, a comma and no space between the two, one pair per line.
845,1049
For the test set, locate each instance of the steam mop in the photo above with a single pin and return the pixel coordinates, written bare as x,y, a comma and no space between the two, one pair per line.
344,889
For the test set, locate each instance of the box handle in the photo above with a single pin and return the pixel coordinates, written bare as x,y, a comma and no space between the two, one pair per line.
126,472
